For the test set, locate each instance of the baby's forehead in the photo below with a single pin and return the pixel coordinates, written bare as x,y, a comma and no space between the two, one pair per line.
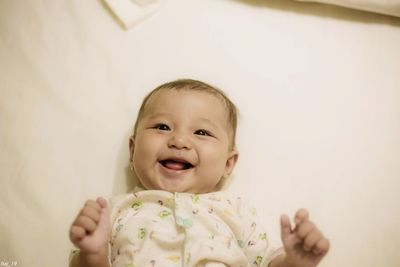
152,106
166,92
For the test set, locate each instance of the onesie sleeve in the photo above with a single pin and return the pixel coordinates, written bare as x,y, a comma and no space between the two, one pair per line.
254,240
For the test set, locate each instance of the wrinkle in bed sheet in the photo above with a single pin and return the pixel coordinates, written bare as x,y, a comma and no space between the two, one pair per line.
131,12
387,7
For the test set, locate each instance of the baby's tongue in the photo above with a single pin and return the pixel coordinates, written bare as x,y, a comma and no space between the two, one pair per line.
175,165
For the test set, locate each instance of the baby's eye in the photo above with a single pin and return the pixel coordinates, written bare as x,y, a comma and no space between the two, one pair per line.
162,127
202,132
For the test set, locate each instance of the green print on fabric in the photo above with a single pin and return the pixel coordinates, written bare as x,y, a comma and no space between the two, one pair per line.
137,205
128,265
187,257
253,211
263,236
195,199
240,243
141,233
186,223
258,260
119,227
163,214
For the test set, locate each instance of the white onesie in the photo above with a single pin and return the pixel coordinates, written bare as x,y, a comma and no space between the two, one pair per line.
159,228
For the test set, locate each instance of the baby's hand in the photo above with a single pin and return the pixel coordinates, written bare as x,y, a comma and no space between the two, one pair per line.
90,231
305,245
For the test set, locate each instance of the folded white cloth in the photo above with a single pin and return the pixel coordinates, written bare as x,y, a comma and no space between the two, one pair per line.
388,7
131,12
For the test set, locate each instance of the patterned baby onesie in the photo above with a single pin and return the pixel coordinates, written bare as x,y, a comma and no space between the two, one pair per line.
159,228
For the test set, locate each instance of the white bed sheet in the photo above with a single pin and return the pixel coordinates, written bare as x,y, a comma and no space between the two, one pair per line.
317,87
388,7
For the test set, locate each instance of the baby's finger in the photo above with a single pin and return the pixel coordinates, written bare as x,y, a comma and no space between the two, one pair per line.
322,246
301,216
311,239
76,233
303,229
86,223
91,212
286,228
93,204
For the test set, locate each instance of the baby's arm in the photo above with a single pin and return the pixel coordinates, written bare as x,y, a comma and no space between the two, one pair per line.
90,232
305,245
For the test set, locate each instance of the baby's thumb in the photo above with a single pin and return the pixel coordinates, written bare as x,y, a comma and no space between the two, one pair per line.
102,202
286,228
104,223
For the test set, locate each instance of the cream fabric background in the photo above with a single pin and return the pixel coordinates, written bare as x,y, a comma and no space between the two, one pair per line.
317,87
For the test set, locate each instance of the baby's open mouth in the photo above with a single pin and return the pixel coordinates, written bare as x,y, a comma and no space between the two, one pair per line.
176,164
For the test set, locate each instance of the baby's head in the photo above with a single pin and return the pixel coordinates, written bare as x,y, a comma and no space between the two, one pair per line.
184,138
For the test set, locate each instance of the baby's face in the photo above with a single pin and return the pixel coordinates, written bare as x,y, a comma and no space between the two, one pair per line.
182,143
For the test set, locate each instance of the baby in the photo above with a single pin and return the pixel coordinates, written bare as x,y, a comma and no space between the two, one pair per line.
182,151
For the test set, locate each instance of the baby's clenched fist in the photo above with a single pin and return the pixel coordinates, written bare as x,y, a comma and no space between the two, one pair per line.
90,231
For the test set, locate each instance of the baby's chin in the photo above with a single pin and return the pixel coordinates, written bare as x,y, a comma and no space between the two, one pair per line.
167,186
179,186
174,188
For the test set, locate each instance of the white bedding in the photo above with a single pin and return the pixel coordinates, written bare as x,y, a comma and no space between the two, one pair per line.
318,88
388,7
131,12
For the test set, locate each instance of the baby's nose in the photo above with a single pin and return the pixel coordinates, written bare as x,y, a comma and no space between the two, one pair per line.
180,141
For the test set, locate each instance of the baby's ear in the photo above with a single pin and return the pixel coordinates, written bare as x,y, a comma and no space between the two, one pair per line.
231,162
131,147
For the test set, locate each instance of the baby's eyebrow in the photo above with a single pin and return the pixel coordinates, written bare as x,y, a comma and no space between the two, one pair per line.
209,122
157,115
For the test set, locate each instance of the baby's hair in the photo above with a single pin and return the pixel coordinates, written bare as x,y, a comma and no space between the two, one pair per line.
190,84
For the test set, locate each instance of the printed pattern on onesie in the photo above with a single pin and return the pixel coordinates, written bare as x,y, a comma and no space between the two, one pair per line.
158,228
